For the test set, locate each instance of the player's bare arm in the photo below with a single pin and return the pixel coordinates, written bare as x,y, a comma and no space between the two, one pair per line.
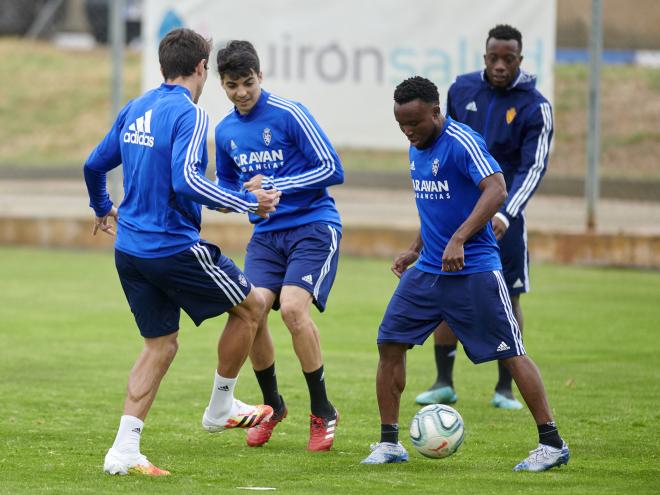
493,194
499,227
408,257
101,223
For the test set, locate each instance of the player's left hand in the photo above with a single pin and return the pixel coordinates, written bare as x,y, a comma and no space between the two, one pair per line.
453,258
101,223
254,183
499,227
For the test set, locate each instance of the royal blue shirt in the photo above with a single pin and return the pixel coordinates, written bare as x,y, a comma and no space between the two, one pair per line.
445,178
281,140
516,124
160,138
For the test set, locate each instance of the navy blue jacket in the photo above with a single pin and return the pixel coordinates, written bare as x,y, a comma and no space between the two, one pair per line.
516,124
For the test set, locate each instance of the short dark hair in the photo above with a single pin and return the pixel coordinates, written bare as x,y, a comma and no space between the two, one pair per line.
238,59
180,51
505,32
414,88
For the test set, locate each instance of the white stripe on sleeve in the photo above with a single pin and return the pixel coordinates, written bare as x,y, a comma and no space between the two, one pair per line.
534,173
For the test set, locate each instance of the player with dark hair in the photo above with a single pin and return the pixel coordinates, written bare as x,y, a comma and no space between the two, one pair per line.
163,265
457,278
503,105
272,142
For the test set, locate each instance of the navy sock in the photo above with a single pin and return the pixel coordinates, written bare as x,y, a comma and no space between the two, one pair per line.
504,381
268,384
549,435
320,404
444,362
389,433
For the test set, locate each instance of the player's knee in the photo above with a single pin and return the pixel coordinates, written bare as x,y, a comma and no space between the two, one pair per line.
252,309
294,316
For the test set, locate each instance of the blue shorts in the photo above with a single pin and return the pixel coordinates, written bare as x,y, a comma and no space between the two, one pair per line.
476,307
515,257
200,280
305,256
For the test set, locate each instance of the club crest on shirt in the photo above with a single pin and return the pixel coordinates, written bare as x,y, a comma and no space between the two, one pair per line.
435,166
268,136
510,115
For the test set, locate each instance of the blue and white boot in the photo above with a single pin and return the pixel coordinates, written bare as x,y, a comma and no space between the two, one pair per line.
441,395
544,457
386,453
503,402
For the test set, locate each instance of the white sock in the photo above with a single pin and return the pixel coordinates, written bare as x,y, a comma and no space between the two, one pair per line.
127,440
222,396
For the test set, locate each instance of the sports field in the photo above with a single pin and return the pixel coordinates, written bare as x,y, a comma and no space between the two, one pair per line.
67,341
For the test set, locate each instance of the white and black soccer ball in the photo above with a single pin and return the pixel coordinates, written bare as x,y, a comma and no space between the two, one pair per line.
437,431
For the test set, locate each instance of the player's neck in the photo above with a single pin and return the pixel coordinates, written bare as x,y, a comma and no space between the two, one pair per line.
190,84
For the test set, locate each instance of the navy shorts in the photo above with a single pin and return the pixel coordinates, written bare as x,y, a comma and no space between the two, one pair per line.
305,256
476,307
200,280
515,257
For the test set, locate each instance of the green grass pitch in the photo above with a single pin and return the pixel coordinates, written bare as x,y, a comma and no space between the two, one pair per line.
67,341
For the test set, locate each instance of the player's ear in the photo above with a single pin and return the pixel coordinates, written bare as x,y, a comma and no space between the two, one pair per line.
260,76
202,66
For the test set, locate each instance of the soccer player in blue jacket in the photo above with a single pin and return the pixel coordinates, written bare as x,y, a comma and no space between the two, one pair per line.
458,277
272,142
163,265
504,106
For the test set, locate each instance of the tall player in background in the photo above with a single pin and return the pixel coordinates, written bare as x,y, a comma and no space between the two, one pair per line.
271,142
504,106
163,266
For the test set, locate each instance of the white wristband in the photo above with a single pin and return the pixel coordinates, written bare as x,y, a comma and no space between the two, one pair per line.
503,218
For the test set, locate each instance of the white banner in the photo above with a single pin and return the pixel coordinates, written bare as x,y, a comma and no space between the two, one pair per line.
343,58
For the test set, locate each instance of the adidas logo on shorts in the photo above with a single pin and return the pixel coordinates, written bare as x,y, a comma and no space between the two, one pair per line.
503,347
308,279
242,280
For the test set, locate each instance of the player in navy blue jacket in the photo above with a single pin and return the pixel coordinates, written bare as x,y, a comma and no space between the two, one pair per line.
458,188
504,106
268,141
163,265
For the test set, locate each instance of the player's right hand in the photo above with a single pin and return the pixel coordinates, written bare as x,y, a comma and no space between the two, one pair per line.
101,223
403,261
268,200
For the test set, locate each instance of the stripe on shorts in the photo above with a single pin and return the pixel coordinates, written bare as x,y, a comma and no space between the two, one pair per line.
506,301
224,281
328,262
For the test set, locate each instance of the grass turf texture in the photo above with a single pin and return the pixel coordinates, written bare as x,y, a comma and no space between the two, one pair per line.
67,342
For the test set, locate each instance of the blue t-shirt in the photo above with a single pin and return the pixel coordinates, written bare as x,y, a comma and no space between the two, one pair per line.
160,138
281,140
446,178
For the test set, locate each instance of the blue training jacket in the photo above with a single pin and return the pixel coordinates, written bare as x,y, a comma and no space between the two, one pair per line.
281,140
160,138
516,124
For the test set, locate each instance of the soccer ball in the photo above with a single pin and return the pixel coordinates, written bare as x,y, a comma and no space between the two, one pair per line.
437,431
